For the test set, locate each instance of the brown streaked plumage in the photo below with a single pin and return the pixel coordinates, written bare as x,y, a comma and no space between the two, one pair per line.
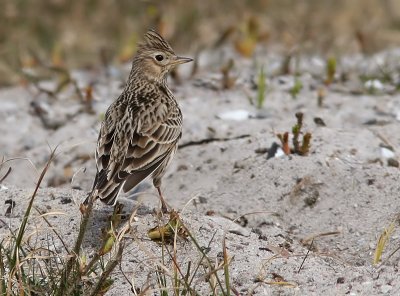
139,135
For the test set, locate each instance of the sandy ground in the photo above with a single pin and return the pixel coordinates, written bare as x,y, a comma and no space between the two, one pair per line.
343,194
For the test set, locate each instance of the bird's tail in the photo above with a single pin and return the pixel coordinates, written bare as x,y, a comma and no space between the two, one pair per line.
107,195
90,194
106,190
110,196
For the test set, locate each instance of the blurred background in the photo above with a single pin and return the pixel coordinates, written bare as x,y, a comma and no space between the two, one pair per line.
85,34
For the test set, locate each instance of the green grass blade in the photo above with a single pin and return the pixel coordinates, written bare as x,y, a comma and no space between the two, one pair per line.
22,227
3,283
226,269
261,88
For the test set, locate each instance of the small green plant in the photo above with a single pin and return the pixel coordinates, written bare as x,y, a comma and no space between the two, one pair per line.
261,87
299,147
297,87
330,70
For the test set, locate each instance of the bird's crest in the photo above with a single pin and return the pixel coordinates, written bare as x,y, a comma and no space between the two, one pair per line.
152,40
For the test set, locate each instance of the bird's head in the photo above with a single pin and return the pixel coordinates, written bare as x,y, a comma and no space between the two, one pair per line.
155,57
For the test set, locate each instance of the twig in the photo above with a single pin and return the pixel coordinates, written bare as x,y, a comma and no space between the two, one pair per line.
305,257
109,268
5,176
209,140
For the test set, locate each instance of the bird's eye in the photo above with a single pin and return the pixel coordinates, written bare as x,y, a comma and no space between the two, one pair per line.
159,57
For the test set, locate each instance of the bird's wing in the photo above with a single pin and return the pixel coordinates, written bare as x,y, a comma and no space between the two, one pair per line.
153,148
135,139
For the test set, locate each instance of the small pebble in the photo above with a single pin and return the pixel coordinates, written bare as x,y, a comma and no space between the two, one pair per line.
279,153
340,280
66,200
393,162
202,200
239,164
319,121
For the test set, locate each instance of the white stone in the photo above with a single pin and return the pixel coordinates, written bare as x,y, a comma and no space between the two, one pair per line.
237,115
374,84
387,153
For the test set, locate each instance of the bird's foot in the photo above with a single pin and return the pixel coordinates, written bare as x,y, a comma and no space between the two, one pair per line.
164,205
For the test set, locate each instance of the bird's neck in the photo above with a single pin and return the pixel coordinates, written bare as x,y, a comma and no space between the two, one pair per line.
141,76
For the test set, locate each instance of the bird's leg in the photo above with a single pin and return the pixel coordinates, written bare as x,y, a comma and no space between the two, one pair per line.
164,207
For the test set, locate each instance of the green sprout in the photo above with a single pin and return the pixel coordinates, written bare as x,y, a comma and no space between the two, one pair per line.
297,87
261,88
330,70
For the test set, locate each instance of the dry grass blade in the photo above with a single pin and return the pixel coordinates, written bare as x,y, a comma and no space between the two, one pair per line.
52,228
167,234
201,259
5,175
23,158
284,284
311,238
254,213
204,256
382,241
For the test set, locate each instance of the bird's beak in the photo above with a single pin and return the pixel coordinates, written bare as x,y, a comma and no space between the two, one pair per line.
181,60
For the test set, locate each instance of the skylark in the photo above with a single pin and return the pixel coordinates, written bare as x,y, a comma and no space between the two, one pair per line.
141,129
